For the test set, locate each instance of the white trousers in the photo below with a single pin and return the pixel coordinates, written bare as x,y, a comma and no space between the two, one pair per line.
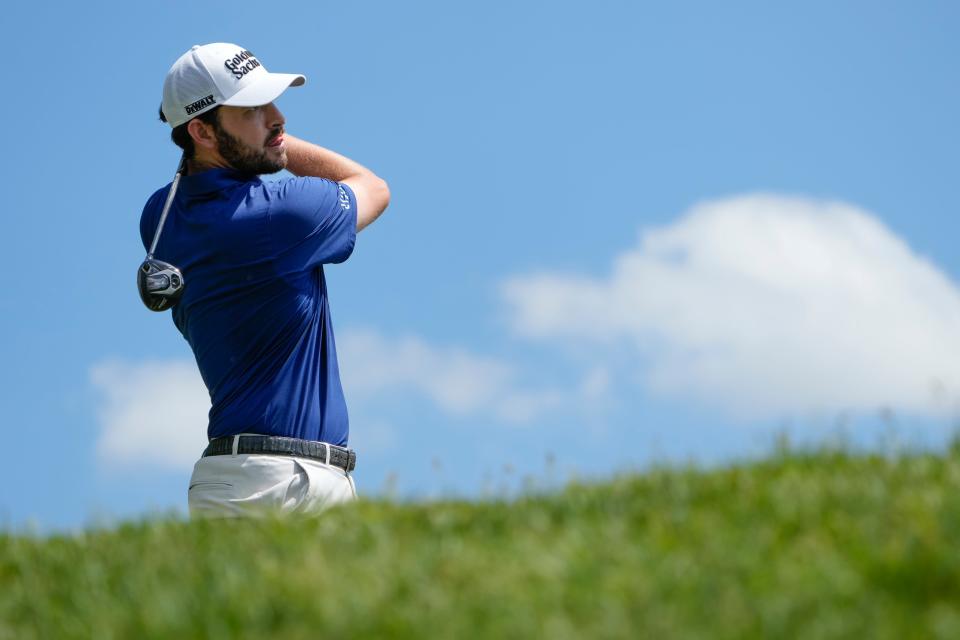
255,485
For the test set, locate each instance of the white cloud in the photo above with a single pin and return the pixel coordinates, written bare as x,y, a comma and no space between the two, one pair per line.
459,382
763,304
150,413
595,385
372,435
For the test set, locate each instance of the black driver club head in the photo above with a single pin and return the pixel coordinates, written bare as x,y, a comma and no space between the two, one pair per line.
160,284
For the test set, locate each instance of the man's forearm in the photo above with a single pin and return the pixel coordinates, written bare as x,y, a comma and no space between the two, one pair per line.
307,159
371,192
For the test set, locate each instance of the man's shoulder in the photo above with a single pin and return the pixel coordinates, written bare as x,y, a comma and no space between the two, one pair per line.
291,184
158,195
153,205
294,193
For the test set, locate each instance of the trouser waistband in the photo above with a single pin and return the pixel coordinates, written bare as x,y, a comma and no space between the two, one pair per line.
331,454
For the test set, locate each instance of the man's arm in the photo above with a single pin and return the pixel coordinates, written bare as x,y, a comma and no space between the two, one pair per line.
372,192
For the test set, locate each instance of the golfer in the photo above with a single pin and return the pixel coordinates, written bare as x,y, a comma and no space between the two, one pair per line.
254,305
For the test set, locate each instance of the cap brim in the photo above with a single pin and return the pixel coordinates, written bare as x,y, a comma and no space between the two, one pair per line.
265,90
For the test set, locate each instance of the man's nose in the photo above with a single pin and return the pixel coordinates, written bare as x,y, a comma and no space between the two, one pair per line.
274,117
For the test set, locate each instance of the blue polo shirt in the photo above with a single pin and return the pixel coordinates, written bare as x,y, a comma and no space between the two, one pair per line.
255,309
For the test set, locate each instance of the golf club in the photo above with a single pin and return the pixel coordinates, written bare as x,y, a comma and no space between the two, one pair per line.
160,283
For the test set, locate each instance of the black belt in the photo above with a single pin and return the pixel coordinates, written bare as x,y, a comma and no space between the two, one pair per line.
346,459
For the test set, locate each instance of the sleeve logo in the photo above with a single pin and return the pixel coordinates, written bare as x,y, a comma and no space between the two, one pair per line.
344,198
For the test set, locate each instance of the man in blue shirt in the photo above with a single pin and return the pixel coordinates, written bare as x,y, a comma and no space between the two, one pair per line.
255,309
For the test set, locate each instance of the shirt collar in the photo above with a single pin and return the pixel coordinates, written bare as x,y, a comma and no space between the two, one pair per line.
213,180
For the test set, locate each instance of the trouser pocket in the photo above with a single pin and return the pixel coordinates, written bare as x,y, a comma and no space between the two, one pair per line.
209,485
209,499
328,485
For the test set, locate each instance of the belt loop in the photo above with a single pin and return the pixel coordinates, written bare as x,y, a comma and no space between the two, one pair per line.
236,445
327,448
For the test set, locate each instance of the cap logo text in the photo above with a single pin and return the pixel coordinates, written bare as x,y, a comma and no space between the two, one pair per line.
202,103
241,64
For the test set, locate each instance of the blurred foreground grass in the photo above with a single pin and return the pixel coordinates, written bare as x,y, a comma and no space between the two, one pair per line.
802,545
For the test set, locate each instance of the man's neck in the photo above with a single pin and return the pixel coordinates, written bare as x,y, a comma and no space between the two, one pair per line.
201,164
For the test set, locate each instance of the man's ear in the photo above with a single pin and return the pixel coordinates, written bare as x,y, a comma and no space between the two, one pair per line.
202,134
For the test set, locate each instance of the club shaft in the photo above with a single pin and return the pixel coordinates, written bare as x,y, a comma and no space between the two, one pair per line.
166,206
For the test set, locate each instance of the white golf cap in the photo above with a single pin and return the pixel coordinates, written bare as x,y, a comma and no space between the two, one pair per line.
217,74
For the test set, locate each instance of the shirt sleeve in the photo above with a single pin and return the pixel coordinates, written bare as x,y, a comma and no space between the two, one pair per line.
313,221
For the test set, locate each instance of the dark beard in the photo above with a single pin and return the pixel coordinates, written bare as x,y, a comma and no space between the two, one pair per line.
245,158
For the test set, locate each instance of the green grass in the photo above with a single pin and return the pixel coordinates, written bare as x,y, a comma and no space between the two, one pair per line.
802,545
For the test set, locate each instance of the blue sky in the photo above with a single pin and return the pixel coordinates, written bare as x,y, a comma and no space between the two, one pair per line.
620,233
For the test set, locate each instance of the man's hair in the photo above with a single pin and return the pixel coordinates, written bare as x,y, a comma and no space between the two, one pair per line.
180,135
